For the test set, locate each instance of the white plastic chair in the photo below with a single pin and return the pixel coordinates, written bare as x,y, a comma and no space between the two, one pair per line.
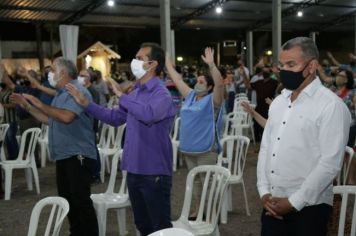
212,195
111,200
3,130
345,191
233,157
43,142
238,122
344,172
25,160
175,142
172,232
109,144
60,209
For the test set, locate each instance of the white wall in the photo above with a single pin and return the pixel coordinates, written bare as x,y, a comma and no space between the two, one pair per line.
7,47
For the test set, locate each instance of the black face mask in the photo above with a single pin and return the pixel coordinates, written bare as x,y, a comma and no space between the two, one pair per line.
292,80
266,75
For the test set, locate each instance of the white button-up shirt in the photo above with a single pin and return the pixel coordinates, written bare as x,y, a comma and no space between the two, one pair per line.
303,146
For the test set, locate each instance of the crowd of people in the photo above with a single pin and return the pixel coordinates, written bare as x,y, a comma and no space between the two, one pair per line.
304,117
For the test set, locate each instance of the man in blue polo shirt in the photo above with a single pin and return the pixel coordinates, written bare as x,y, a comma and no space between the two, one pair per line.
71,144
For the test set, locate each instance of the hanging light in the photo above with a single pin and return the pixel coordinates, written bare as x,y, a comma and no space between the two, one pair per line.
179,59
111,3
218,10
299,13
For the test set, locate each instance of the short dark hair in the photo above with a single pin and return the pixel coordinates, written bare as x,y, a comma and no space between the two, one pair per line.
157,54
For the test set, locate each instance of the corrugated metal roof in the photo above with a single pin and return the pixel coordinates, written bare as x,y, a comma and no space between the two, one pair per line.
239,14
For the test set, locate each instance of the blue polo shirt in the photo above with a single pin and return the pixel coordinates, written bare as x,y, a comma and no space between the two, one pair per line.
76,138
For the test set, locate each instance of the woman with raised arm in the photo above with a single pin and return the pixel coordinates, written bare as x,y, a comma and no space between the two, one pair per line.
200,115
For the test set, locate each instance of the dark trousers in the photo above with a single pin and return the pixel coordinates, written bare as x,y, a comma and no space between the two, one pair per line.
73,183
150,197
310,221
11,142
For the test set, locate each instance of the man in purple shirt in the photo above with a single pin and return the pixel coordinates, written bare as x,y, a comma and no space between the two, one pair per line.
148,112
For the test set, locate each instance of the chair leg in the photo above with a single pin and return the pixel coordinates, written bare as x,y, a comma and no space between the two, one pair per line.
245,197
35,176
28,175
253,134
229,198
8,181
174,157
121,219
223,211
107,164
101,216
102,169
43,155
180,159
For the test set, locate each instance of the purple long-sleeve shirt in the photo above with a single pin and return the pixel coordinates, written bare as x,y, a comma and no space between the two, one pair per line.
148,112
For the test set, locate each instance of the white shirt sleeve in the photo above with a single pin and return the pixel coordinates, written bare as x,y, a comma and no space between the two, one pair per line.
333,134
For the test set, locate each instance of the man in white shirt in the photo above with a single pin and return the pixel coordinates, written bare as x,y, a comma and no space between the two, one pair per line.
240,73
302,147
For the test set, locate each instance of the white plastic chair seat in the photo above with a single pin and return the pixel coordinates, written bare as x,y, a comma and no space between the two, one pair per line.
199,228
171,232
235,179
112,200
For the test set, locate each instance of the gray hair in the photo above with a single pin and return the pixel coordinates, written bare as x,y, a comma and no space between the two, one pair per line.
307,45
68,66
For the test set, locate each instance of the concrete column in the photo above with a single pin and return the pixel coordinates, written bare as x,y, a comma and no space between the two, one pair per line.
355,35
165,20
39,46
249,58
276,28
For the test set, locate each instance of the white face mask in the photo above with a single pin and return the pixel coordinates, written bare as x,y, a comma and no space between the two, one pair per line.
200,88
51,79
81,80
137,68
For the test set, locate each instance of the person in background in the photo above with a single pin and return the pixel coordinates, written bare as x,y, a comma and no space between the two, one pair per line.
302,147
148,112
241,73
101,87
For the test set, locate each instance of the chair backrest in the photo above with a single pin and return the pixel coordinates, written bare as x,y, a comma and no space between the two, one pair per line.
233,154
29,141
112,180
175,136
111,137
212,195
3,130
345,191
235,122
44,132
60,208
113,102
172,232
344,172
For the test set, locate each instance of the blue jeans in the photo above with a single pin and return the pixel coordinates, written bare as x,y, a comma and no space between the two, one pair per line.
11,142
150,197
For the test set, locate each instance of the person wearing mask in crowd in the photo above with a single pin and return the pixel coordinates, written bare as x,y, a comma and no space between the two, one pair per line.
230,89
101,87
265,89
45,97
302,147
85,79
71,144
148,112
351,66
241,73
10,117
200,116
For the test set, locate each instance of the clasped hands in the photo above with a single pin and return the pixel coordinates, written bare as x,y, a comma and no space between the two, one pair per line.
275,206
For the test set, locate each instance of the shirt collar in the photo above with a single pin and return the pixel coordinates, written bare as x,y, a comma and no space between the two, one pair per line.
149,85
309,90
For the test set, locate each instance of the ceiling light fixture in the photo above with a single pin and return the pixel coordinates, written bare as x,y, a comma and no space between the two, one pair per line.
299,13
218,9
111,3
